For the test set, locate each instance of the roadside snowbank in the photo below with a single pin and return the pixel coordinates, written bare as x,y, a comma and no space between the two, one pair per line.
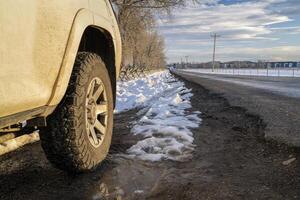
140,92
165,122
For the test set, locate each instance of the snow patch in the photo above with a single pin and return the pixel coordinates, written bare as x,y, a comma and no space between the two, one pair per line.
164,121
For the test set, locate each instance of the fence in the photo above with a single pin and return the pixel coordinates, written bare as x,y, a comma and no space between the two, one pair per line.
284,72
130,72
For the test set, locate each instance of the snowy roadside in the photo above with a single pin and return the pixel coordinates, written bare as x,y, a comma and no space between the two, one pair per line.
164,123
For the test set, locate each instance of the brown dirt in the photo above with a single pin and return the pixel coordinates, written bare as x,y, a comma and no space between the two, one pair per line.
232,160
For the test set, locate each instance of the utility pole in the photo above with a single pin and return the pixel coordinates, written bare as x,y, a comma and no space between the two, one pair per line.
186,59
181,62
215,36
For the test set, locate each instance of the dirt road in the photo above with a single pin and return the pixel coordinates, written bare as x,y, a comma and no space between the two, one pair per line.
231,161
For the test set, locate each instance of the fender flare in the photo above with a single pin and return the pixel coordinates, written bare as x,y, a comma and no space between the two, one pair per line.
83,19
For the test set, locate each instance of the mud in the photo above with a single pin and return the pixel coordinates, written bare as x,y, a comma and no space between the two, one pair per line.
231,161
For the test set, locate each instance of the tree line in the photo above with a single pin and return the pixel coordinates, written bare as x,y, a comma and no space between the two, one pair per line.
143,46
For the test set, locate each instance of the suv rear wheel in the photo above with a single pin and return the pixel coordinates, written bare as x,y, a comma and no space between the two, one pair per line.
79,132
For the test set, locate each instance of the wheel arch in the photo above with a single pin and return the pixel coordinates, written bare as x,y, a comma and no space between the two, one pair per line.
83,27
99,41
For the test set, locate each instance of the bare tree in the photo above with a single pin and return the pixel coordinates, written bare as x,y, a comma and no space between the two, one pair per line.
143,47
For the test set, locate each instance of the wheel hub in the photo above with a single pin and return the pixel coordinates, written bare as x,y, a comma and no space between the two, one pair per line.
96,112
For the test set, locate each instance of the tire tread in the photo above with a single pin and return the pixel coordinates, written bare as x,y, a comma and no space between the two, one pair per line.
63,139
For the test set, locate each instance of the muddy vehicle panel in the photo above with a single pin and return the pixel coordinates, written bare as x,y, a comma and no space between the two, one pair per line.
51,51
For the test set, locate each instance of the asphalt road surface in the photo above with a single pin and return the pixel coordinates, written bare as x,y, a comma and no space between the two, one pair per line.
282,86
275,99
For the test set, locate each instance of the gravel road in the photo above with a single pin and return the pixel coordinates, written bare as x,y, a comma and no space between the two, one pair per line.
232,160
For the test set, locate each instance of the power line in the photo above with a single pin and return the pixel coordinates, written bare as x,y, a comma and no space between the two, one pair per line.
215,36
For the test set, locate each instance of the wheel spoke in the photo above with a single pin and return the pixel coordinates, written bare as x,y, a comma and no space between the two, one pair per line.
96,112
92,88
100,127
93,134
101,108
98,92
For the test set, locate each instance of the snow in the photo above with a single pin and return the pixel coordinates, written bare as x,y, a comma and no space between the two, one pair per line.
138,192
165,123
292,72
140,92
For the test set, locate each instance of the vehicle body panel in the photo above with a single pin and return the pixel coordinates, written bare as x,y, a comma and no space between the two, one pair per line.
40,40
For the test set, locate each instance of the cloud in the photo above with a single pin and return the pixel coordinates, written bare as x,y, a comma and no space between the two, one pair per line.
249,18
285,7
287,30
277,53
238,22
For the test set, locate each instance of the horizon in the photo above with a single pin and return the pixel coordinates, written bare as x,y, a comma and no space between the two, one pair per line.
217,61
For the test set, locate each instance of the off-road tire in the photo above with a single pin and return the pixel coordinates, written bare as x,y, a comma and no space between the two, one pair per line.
65,140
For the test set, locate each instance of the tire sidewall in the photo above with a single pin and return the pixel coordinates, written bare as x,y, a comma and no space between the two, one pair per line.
98,154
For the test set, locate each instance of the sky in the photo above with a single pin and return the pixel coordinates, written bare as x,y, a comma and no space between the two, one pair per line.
250,30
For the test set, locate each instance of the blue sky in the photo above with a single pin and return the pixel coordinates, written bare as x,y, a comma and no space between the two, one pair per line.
250,29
